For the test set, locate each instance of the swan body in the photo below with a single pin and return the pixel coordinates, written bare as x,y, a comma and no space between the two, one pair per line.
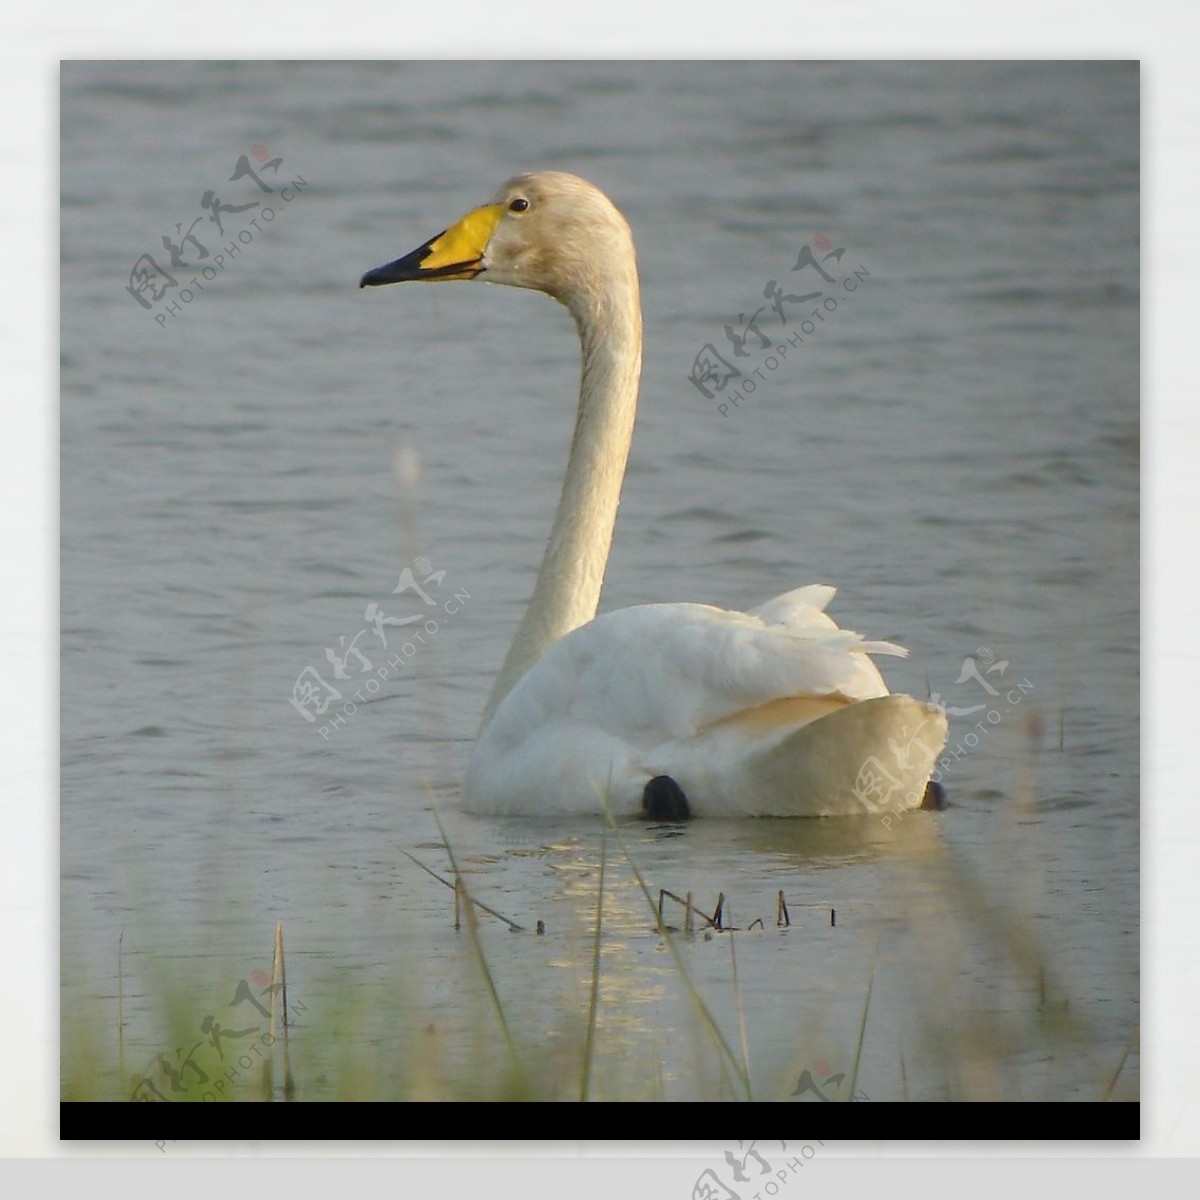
765,713
773,712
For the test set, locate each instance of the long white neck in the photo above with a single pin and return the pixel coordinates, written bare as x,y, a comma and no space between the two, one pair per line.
567,591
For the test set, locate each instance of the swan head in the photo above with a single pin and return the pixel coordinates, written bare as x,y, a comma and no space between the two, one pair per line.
550,231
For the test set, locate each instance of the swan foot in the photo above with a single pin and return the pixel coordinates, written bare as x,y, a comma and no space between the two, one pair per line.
664,800
935,798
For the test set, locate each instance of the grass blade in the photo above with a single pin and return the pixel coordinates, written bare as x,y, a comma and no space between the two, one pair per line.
593,1003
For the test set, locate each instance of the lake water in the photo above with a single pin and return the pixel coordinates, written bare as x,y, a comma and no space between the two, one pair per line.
956,447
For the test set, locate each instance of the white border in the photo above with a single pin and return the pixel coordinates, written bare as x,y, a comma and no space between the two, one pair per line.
1161,33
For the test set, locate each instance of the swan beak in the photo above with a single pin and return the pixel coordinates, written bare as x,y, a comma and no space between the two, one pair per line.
455,254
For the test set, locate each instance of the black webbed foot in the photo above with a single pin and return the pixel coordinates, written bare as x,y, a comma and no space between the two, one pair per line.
935,798
663,800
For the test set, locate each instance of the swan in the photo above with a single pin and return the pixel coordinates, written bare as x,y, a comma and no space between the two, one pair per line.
660,710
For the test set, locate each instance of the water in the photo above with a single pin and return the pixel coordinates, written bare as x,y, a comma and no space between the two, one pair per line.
956,447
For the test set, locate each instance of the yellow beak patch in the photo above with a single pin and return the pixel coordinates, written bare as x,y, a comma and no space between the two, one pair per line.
455,254
465,241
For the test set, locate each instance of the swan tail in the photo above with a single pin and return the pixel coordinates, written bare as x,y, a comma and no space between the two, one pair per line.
797,606
872,757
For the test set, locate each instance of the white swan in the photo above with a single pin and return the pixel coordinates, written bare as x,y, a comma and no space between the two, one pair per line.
663,709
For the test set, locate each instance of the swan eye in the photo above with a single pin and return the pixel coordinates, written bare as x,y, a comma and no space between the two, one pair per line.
520,204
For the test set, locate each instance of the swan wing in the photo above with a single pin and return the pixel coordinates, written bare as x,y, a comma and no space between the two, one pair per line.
676,668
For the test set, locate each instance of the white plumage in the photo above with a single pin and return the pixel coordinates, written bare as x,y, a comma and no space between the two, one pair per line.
774,712
705,696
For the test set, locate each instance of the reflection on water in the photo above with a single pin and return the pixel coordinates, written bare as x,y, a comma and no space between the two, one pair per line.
959,454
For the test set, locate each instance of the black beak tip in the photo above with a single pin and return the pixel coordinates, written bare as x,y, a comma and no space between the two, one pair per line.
374,278
402,270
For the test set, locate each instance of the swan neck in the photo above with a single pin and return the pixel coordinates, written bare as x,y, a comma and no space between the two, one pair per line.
567,592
